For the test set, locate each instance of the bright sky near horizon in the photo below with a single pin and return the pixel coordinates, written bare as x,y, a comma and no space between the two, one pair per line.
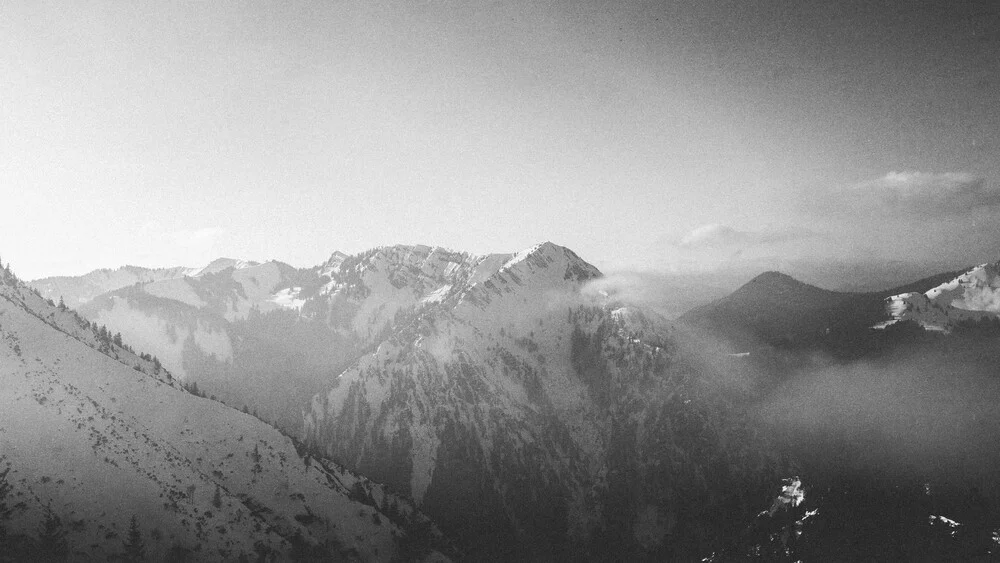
643,135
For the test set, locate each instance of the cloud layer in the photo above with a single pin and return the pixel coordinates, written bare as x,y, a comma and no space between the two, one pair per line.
921,412
715,235
714,247
922,194
939,220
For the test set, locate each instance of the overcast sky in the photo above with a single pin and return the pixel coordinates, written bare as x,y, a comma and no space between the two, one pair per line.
662,136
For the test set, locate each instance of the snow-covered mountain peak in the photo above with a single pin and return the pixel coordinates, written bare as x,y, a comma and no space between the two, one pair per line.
552,257
545,277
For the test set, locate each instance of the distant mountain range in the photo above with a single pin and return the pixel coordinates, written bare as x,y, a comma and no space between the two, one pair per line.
77,290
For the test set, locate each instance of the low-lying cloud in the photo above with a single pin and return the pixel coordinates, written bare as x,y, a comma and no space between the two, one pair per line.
930,414
668,295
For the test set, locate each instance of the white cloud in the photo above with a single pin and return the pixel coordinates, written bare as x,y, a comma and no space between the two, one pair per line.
715,235
709,235
921,194
714,247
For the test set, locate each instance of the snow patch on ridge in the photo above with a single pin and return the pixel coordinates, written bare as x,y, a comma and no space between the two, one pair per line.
288,298
437,295
971,296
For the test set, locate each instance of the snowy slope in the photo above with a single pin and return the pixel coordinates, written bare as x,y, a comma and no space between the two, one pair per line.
171,317
972,296
99,435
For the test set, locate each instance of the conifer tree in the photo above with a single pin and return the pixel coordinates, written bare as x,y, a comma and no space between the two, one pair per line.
178,554
256,459
5,488
135,550
52,544
5,511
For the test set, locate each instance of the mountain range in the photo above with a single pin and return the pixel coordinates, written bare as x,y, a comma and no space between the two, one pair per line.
533,413
103,452
483,387
776,309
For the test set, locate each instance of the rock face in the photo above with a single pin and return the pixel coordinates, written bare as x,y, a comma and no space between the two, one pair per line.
534,422
95,435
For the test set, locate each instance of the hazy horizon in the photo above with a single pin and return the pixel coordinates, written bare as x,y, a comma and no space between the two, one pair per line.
666,138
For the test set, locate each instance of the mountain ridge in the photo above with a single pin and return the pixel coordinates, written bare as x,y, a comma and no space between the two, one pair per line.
774,308
93,433
500,410
968,299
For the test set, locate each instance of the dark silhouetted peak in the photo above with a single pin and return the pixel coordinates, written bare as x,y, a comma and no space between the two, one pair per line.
771,288
778,280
